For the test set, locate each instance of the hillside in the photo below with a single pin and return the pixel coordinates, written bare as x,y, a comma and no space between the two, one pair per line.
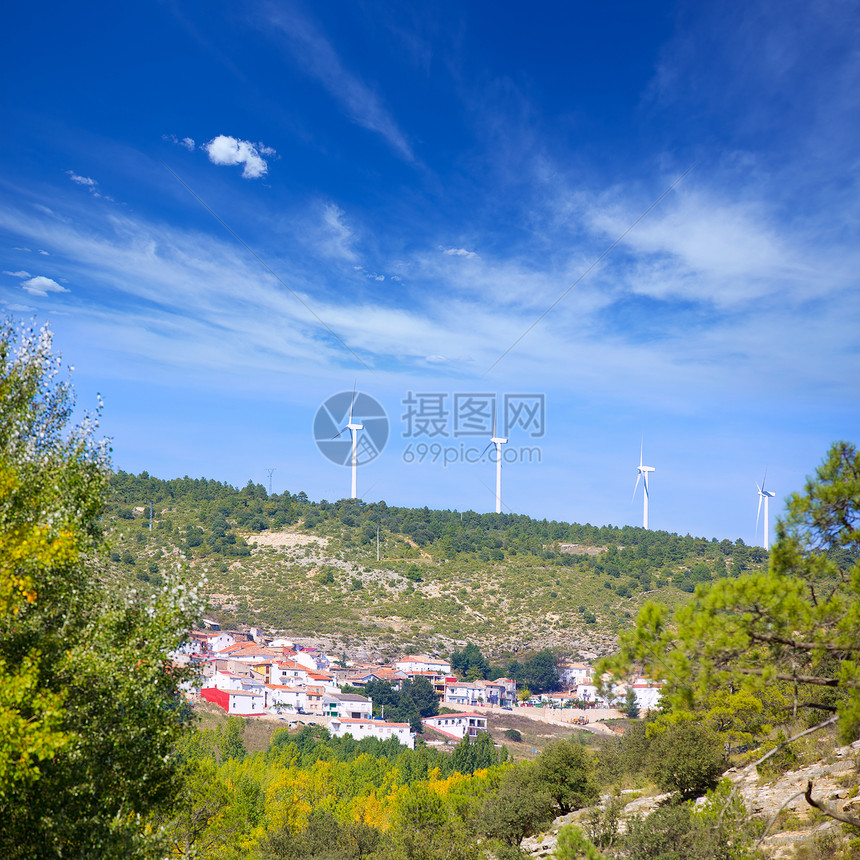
509,583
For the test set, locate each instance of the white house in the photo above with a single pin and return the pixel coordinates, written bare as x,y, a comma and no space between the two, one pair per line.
647,694
457,725
227,679
423,663
501,692
244,703
288,672
372,729
588,693
572,674
347,706
284,697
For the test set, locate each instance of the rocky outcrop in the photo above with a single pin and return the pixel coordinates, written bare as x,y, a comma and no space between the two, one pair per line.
780,803
834,781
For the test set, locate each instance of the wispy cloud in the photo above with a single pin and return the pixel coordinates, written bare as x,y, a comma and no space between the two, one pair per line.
183,296
319,60
185,142
87,182
226,150
335,237
705,248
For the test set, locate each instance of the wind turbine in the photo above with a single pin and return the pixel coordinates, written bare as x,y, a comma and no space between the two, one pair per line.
353,426
643,473
766,495
498,441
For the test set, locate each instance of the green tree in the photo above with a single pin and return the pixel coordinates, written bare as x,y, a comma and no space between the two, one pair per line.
470,663
470,755
518,808
573,845
424,696
631,706
564,771
797,623
89,707
231,739
539,673
686,757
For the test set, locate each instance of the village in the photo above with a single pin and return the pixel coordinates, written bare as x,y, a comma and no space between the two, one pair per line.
249,674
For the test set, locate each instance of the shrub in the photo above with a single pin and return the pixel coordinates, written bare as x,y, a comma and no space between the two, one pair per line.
686,757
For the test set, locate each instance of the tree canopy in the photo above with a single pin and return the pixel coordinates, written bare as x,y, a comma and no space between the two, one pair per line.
89,705
787,638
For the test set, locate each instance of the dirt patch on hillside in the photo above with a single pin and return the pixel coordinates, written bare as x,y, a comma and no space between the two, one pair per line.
580,549
282,539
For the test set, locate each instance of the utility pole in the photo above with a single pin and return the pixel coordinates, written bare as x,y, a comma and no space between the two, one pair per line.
377,543
270,473
150,516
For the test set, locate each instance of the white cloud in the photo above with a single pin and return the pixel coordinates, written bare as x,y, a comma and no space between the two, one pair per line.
20,274
41,286
19,309
458,252
44,253
226,150
81,180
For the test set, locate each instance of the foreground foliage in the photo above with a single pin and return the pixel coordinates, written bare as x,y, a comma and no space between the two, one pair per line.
89,710
783,641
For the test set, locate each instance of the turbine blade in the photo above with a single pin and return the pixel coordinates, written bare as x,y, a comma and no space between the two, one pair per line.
635,488
760,497
338,433
489,445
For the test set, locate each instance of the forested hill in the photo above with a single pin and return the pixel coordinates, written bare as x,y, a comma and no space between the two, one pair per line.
505,581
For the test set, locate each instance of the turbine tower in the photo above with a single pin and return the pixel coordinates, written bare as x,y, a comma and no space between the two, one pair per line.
766,495
643,473
498,441
353,427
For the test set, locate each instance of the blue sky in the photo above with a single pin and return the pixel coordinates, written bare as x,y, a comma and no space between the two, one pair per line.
644,214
